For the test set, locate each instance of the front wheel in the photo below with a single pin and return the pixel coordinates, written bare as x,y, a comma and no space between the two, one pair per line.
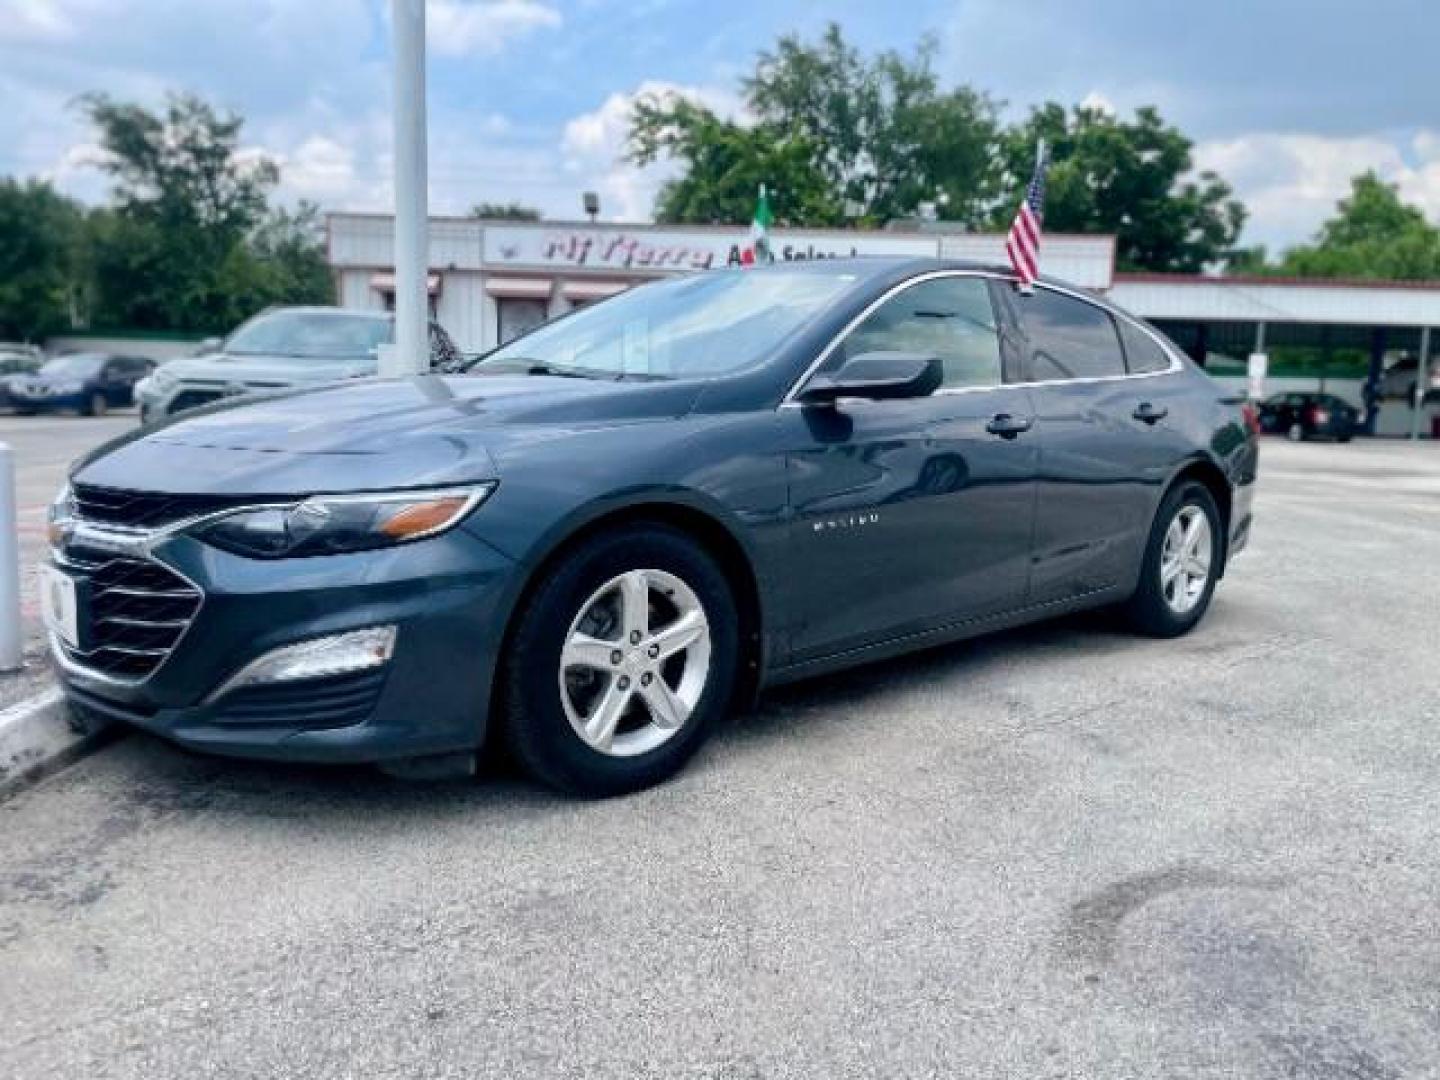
97,405
1295,432
1177,578
620,663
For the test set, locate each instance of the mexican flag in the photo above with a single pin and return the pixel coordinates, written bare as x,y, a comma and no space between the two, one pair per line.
760,228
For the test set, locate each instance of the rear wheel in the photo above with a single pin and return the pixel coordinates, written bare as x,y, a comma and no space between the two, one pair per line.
1177,579
621,662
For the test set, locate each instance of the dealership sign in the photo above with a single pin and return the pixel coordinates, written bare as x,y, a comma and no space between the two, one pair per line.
662,249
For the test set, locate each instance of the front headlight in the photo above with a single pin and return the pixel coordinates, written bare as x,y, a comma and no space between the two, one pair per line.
67,388
158,380
59,515
337,524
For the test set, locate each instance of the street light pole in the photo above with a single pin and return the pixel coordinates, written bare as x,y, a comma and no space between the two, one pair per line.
412,227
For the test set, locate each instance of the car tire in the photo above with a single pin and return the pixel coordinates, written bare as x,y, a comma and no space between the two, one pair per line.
1347,436
1295,432
1156,608
96,405
560,688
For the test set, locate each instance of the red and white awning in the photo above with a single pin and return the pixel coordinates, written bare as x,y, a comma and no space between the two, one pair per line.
386,283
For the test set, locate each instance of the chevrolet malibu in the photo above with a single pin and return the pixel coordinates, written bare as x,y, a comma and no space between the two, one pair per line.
605,534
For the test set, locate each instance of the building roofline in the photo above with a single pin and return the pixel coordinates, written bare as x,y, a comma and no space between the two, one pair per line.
1251,280
654,226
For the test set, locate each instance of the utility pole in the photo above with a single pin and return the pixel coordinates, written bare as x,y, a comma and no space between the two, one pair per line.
412,216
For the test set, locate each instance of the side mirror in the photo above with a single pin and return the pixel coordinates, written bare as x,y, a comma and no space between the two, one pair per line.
208,346
877,376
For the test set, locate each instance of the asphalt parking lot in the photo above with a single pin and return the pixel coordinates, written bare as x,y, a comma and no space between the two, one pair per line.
1062,851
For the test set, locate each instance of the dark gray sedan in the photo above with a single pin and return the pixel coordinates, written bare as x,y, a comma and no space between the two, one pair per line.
611,530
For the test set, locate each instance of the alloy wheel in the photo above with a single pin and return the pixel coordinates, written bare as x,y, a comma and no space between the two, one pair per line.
1185,559
635,662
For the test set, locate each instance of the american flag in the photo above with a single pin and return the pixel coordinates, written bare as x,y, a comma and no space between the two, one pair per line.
1023,243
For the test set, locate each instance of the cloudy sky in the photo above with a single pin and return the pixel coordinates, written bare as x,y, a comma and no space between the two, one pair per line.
1286,98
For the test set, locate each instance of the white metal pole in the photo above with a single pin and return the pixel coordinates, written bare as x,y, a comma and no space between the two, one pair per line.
412,255
9,565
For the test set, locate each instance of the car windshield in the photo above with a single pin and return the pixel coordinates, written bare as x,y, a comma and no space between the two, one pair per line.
310,334
75,366
705,324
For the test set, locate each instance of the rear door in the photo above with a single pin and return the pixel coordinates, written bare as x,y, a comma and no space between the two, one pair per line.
1108,439
911,514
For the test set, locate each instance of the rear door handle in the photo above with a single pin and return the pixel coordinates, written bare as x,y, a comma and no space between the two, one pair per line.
1150,414
1007,426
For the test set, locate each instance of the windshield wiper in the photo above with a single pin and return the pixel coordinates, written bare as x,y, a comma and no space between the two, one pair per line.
525,366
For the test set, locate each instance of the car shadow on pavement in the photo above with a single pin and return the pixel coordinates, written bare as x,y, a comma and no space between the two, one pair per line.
158,780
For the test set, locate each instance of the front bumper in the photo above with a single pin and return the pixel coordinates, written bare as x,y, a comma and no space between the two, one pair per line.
447,597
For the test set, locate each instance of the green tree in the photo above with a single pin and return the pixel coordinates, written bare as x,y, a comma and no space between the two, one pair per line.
725,164
41,259
1131,178
186,203
1373,235
888,137
837,137
512,211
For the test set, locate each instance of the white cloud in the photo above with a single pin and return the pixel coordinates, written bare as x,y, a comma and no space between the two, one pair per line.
462,27
34,20
1098,101
593,147
1291,182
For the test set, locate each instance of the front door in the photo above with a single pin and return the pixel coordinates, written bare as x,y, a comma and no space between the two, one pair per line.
911,514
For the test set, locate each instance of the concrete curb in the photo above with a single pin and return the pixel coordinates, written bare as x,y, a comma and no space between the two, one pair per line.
37,739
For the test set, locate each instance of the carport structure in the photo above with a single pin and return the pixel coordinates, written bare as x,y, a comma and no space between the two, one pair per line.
1367,341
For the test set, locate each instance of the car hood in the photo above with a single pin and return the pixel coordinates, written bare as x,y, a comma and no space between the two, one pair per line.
272,370
370,434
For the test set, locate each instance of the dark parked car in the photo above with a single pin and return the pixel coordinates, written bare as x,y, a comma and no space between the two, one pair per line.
613,528
88,383
282,348
1309,416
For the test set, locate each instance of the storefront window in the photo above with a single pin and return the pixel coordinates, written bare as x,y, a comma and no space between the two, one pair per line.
519,316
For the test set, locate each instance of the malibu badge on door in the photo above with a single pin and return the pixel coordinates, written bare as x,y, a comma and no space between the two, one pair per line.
60,605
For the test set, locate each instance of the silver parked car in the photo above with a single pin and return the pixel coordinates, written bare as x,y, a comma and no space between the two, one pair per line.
1401,378
281,349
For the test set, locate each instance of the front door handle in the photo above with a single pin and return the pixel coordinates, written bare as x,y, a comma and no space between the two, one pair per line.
1007,426
1147,413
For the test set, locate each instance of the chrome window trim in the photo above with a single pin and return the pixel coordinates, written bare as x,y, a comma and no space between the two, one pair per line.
790,400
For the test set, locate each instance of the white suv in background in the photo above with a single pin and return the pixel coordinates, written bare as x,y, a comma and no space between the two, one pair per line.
281,349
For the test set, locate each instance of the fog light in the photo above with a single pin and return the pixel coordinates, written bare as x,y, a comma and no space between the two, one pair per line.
338,654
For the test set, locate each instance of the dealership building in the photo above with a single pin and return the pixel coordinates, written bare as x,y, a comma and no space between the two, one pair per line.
492,280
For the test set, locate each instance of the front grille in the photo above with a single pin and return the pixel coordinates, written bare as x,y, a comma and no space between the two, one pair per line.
136,612
193,399
314,703
146,509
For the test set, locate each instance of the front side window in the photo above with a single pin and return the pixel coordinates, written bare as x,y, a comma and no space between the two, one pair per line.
951,318
1068,338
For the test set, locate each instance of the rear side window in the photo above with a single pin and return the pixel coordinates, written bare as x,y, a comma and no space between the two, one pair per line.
949,317
1142,352
1068,338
